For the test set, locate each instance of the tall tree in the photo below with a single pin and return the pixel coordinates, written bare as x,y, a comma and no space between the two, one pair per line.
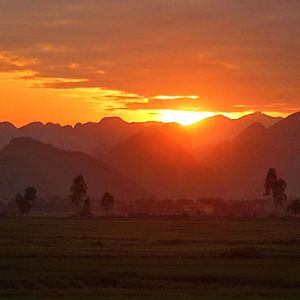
26,202
270,181
86,210
78,192
275,187
107,202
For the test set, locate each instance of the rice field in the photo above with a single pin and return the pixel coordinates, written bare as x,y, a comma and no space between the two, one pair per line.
69,258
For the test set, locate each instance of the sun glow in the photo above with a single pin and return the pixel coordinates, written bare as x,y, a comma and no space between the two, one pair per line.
167,97
184,117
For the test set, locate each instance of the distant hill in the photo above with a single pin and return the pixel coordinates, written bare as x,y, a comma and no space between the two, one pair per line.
25,162
259,117
219,128
215,157
242,163
99,138
7,131
159,164
285,133
91,138
253,133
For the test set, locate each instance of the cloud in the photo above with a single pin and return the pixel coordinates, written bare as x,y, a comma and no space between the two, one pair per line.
194,104
174,102
226,52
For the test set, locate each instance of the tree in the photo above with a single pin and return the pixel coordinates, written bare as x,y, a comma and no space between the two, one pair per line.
26,202
270,181
294,207
277,188
107,202
86,210
279,194
78,192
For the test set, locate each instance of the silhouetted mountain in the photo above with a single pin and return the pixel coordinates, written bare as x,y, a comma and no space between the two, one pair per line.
285,133
219,128
99,138
174,130
212,130
252,133
91,138
82,137
242,164
161,165
7,130
259,117
157,157
27,162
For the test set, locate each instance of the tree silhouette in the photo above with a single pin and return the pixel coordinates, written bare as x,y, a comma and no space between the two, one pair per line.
78,192
277,188
270,181
294,207
26,202
86,210
107,202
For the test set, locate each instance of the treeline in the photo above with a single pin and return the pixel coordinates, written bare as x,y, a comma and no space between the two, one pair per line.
78,201
81,205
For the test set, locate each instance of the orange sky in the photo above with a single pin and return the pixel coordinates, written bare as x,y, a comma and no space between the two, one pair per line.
172,60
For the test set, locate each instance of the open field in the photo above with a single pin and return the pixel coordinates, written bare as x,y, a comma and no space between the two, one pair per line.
149,259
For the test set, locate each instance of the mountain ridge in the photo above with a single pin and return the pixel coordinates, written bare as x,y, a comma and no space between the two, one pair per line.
100,137
25,161
158,163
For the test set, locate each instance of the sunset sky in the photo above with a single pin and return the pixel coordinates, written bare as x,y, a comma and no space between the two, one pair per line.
171,60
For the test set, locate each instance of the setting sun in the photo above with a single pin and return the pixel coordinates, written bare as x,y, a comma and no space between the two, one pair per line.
184,117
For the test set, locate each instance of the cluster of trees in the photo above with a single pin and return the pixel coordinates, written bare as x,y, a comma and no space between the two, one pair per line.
274,187
79,199
26,202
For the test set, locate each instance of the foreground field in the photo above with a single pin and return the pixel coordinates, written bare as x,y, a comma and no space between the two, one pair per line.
149,259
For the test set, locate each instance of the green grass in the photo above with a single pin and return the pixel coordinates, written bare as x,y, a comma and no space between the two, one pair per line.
149,259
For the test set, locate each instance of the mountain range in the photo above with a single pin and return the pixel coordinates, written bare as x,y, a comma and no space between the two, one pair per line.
27,162
216,157
242,163
161,165
97,138
219,128
91,138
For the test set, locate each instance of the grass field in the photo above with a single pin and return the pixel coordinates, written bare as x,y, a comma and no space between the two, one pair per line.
149,259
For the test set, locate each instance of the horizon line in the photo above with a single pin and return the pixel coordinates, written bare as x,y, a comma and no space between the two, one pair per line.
224,115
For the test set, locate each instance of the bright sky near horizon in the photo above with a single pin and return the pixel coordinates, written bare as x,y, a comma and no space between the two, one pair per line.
169,60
